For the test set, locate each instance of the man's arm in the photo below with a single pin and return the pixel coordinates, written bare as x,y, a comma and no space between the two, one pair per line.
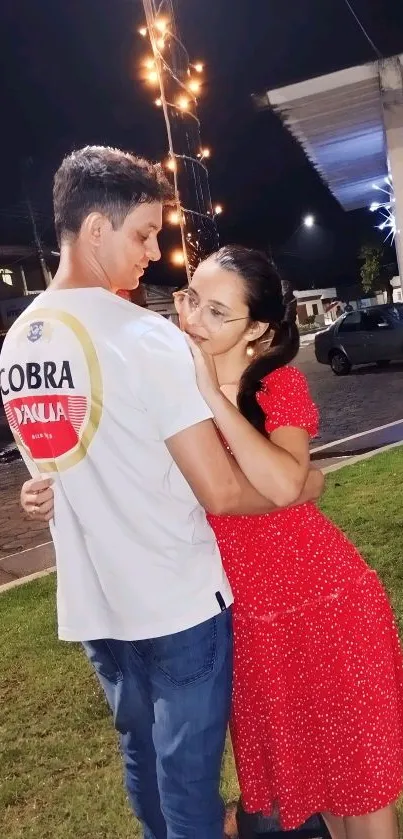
216,479
37,498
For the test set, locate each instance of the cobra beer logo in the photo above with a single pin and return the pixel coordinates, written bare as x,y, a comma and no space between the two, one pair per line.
51,415
49,425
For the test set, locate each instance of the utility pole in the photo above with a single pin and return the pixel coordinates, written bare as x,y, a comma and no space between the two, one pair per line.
37,239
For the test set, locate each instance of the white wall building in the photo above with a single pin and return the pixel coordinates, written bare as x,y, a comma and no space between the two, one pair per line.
397,290
314,304
321,306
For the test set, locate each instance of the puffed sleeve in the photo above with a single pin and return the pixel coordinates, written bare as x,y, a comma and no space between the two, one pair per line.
286,401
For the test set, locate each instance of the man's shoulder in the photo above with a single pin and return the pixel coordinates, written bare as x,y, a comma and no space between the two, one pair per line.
23,317
129,320
106,318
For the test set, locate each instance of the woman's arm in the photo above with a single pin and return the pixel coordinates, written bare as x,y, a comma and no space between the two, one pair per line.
314,486
277,468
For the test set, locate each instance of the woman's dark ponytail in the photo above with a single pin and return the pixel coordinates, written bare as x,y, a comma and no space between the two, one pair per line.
269,301
282,350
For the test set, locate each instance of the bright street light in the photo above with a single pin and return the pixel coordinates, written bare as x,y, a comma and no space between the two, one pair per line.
309,221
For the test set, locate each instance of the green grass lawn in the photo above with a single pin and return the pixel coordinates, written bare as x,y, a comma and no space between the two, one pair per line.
60,772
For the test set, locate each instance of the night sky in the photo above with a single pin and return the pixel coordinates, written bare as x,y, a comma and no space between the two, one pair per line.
70,76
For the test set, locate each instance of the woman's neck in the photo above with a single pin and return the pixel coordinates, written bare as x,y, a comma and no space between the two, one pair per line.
230,366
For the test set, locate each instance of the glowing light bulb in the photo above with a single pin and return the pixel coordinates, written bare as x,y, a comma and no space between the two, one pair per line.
174,217
149,63
160,43
178,258
198,67
309,221
158,103
218,210
171,164
143,31
194,86
205,153
153,77
183,103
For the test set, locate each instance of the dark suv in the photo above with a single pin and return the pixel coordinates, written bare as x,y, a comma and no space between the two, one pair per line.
365,336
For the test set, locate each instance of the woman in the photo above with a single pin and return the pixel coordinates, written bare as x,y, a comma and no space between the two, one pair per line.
317,721
318,698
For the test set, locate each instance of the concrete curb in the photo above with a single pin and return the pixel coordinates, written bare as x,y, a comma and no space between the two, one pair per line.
367,433
351,461
332,456
20,581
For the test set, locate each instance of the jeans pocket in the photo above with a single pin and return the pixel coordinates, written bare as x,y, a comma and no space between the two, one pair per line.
189,656
103,659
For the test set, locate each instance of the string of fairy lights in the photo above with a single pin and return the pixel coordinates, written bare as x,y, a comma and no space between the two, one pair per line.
179,83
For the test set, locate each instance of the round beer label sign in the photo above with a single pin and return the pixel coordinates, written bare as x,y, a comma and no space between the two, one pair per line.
52,388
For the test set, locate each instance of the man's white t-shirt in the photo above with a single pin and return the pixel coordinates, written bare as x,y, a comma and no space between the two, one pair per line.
92,387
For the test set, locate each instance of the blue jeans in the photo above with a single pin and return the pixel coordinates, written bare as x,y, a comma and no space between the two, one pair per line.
170,698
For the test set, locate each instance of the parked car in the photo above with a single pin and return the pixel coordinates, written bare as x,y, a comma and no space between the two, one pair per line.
366,336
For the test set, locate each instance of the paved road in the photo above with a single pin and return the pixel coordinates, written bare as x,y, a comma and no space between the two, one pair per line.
17,533
365,399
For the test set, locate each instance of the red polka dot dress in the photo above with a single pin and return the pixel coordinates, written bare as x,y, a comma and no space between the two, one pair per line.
317,721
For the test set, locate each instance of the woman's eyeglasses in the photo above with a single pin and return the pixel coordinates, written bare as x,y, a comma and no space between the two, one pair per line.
210,317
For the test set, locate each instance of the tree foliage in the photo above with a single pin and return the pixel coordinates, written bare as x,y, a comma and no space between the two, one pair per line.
375,274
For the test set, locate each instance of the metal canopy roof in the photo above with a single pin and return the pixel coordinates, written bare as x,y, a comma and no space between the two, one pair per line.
338,120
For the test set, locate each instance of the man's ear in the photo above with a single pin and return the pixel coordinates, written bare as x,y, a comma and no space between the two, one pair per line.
92,228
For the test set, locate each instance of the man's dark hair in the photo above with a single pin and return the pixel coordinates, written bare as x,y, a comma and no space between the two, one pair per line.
105,180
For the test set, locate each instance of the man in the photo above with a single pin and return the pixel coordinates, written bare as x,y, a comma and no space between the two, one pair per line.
101,395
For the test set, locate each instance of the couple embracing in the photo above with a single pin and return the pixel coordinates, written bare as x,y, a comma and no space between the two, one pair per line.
192,562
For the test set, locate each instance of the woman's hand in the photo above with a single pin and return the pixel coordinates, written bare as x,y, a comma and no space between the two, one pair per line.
314,486
206,373
37,499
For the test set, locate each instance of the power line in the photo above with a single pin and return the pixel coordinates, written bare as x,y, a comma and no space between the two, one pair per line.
363,30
